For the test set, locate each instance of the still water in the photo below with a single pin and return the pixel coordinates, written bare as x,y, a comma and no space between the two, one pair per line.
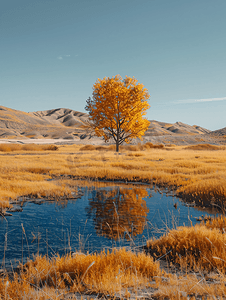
103,217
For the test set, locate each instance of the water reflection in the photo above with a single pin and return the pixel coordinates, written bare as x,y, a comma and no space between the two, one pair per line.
105,215
118,213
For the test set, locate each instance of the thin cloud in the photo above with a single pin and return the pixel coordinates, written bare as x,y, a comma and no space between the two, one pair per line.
63,56
199,100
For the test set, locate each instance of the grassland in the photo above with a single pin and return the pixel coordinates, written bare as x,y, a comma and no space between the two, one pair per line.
196,174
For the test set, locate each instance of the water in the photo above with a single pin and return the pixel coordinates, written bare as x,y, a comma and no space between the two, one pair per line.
113,216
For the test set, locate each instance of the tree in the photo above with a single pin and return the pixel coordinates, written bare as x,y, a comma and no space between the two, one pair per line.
117,107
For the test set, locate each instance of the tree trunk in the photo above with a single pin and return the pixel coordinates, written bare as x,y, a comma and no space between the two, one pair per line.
117,146
117,139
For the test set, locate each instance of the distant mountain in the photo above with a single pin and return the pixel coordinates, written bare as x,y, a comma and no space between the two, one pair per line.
160,128
55,123
62,116
219,132
63,123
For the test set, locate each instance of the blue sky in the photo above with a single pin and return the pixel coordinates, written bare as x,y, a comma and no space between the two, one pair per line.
53,51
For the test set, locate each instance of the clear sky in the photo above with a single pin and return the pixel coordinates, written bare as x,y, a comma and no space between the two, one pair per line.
53,51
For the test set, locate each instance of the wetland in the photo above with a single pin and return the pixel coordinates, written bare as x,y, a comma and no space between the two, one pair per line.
81,216
117,215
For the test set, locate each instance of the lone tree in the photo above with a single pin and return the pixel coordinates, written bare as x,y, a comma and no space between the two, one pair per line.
117,107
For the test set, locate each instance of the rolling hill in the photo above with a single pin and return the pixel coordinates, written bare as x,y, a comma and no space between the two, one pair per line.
68,124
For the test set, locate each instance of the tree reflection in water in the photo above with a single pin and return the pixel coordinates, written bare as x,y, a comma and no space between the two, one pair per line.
119,212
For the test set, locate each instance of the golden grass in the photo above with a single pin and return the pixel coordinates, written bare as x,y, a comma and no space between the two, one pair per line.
27,147
191,287
195,175
27,175
200,249
105,273
205,147
88,148
217,223
196,247
120,272
138,147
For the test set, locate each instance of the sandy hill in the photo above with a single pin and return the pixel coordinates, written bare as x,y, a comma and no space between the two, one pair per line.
67,124
160,128
55,123
62,116
219,132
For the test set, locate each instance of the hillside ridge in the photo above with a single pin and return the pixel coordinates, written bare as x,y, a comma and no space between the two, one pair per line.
68,124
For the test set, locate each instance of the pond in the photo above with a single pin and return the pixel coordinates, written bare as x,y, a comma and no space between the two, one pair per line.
116,215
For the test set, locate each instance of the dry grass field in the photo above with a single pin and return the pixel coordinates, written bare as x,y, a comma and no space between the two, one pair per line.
196,174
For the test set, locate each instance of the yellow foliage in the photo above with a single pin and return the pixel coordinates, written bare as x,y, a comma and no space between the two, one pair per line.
117,108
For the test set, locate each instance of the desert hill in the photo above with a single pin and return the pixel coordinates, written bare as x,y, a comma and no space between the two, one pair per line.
64,116
56,123
68,125
160,128
219,132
